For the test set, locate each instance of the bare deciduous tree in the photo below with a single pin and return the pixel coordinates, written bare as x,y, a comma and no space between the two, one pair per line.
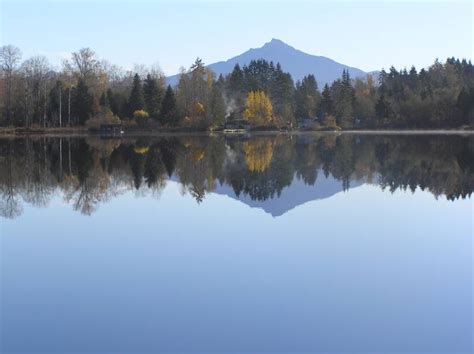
10,56
36,75
84,63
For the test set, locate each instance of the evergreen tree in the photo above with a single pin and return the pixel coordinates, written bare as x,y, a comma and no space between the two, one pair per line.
465,105
217,107
104,100
327,105
236,80
236,92
258,75
136,101
413,78
307,98
152,93
82,102
282,91
113,102
344,95
221,82
382,108
168,108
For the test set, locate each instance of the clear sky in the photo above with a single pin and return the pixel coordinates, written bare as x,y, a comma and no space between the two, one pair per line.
368,35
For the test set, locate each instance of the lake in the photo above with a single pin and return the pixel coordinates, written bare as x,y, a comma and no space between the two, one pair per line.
244,244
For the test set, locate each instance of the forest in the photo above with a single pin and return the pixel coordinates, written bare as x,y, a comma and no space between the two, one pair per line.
89,172
86,92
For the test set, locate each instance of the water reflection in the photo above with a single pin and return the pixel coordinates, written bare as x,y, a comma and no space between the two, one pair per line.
256,170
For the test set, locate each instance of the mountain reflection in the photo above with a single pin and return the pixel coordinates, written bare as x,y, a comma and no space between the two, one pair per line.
90,171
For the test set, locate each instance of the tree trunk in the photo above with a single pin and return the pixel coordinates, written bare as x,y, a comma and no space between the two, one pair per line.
69,108
60,107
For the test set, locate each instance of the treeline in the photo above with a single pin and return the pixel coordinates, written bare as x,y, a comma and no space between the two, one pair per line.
88,172
87,91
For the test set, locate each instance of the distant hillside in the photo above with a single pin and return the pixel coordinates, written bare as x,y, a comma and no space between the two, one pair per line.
294,61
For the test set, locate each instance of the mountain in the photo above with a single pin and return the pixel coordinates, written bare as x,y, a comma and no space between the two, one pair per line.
292,60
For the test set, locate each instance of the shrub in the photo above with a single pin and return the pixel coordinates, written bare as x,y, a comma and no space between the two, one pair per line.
103,117
141,116
329,121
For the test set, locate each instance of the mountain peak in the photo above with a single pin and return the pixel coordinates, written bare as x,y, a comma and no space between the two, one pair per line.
276,43
292,60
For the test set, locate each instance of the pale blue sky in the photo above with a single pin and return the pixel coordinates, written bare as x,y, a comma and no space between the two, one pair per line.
368,35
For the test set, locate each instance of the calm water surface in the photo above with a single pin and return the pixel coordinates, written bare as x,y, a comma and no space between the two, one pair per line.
309,243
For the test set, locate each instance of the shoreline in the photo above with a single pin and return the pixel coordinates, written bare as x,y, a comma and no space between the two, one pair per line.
81,132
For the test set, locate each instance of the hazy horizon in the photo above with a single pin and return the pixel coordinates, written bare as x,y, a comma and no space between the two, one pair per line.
367,36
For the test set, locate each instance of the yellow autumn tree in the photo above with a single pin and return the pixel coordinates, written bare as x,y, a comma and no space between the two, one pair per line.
258,154
141,116
258,108
199,109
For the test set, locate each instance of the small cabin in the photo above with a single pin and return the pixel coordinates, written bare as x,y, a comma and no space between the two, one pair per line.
307,122
237,124
110,129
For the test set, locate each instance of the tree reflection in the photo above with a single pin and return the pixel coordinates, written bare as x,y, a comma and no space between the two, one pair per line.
89,171
258,154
